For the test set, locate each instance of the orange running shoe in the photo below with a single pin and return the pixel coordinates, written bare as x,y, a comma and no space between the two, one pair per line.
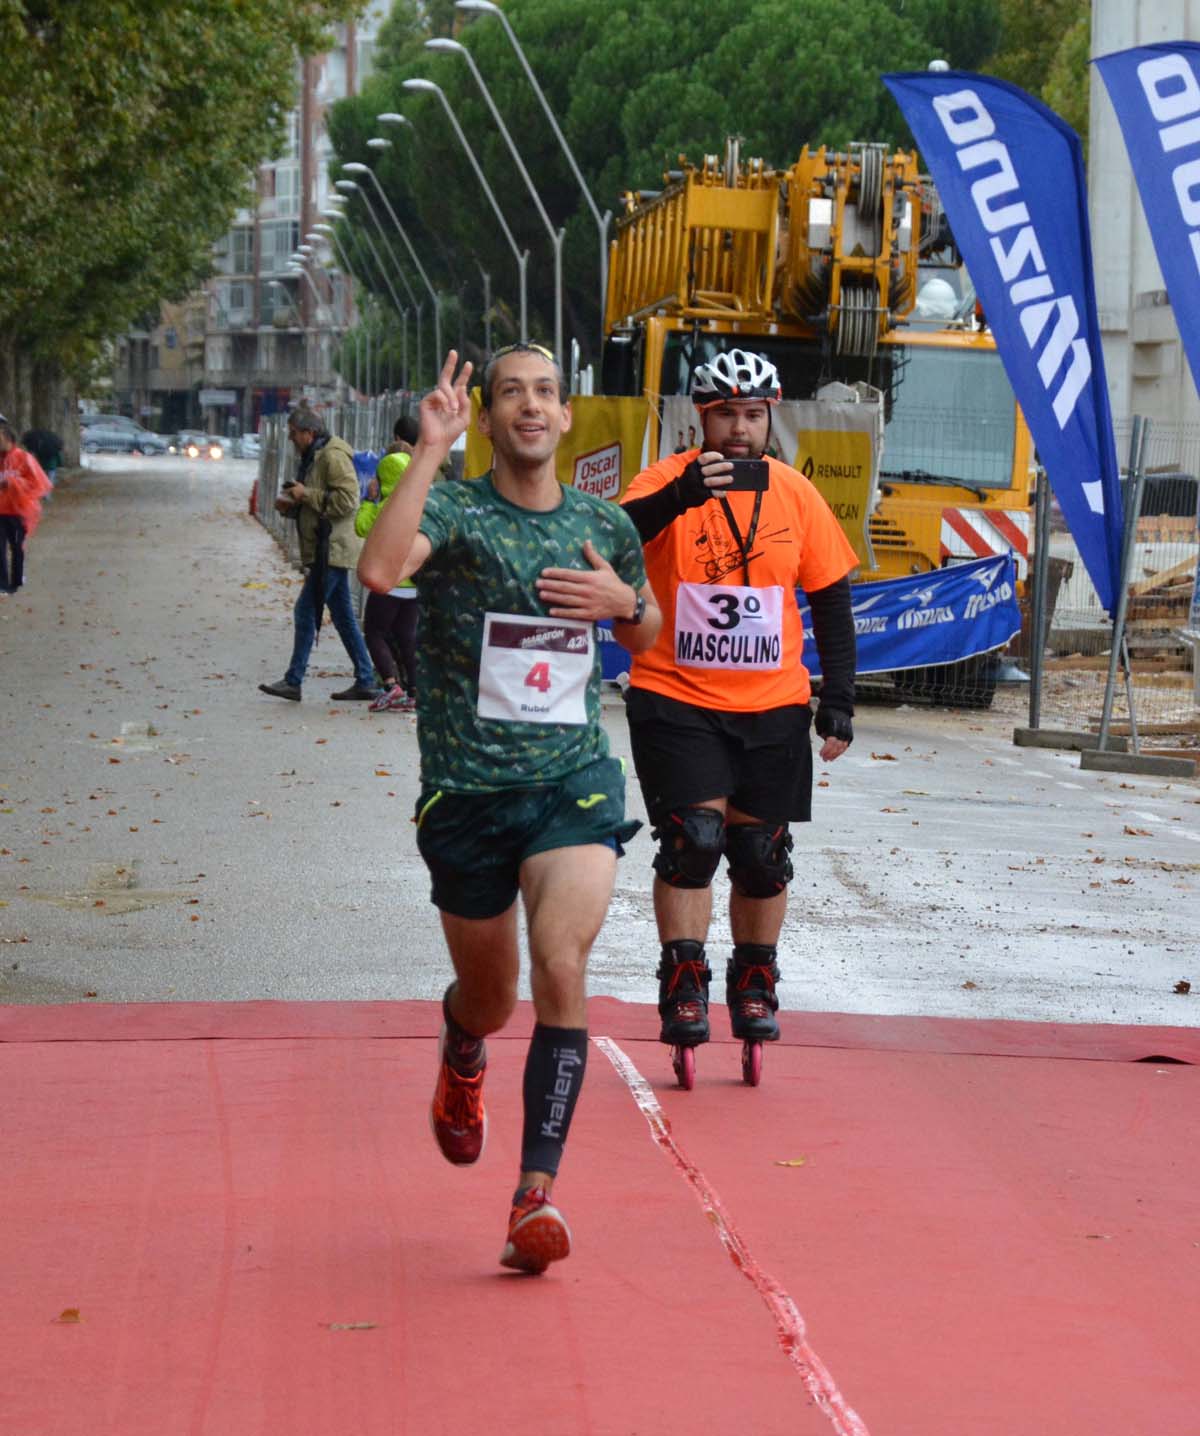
537,1234
457,1114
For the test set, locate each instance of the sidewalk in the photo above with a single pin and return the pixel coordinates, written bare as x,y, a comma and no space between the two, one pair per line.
225,1216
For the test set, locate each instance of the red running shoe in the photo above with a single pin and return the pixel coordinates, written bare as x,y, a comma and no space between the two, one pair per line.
388,698
457,1114
537,1234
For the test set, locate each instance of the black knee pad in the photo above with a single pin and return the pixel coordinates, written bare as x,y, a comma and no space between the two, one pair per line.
690,843
759,866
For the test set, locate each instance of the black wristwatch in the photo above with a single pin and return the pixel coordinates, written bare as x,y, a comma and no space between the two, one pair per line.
639,611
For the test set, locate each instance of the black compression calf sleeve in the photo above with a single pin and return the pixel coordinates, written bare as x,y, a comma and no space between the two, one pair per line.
554,1071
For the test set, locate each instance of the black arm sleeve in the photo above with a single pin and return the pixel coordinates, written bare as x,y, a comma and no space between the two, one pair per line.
833,629
653,513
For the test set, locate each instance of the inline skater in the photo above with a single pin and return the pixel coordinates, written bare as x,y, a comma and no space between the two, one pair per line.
718,707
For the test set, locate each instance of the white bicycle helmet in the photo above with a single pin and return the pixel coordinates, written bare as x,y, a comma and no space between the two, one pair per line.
736,374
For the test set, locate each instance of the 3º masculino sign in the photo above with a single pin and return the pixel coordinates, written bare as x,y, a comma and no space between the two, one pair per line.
1010,176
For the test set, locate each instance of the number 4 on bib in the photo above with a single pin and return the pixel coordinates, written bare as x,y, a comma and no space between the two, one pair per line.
539,677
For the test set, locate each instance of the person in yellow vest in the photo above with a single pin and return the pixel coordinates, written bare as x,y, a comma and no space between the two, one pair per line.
390,619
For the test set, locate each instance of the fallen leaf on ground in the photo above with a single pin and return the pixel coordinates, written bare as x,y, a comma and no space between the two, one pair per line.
1137,832
69,1317
1182,987
349,1325
884,757
791,1162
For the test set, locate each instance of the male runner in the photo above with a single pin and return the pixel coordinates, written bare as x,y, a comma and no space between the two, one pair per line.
719,708
518,793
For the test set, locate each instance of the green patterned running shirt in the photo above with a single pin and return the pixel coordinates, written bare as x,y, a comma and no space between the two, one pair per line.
487,556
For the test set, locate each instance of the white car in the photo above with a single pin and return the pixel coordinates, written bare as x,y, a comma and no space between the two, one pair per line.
248,446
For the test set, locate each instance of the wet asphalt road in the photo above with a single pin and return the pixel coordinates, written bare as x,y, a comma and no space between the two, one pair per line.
169,833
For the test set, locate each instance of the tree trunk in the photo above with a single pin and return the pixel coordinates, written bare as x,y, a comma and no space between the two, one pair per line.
37,394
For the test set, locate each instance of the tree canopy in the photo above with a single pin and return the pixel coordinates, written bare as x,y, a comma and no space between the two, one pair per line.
633,84
131,131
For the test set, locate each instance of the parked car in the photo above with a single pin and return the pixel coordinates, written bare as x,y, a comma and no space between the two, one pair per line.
193,444
121,439
247,447
108,421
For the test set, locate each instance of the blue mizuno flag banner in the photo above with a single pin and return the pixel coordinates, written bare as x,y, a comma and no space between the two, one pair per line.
1155,90
931,618
919,622
1010,176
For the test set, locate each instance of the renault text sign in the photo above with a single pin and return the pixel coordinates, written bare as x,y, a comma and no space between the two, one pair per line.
1010,176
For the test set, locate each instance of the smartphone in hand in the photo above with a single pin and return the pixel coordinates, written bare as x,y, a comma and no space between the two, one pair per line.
748,474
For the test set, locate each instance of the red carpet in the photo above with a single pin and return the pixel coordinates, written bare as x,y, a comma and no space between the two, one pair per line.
984,1228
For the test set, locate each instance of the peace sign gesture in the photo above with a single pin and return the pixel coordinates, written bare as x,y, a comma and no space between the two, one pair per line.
446,410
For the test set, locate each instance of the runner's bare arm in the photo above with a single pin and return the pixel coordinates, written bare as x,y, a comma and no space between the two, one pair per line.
394,549
600,592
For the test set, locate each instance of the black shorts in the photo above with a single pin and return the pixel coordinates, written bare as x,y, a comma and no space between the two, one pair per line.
474,843
760,762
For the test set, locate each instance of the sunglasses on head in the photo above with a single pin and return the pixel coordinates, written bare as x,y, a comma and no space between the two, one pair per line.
523,348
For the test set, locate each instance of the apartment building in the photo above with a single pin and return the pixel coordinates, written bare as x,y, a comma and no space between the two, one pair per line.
258,336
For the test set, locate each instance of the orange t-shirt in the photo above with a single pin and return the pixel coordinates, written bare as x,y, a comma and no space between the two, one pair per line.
725,644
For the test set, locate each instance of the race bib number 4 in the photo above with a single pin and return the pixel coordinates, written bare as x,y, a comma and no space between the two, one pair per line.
728,626
534,670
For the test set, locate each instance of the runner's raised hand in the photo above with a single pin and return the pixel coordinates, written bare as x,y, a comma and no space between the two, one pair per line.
446,410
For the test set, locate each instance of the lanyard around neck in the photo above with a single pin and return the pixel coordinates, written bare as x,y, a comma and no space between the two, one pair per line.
746,544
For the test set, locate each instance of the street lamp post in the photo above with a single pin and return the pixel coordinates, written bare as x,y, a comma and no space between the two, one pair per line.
329,234
337,214
486,7
326,233
298,266
320,236
322,366
452,47
522,256
487,307
300,259
349,185
355,167
348,270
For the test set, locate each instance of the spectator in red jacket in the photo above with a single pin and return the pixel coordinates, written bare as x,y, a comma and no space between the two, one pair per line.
23,486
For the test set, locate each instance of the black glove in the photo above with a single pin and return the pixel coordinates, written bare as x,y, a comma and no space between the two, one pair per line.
834,723
690,488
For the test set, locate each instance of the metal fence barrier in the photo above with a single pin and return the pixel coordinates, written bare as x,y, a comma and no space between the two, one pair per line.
1162,679
365,426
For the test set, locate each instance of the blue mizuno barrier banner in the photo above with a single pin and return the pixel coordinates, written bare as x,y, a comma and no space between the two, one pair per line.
1010,176
1155,90
937,617
918,622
